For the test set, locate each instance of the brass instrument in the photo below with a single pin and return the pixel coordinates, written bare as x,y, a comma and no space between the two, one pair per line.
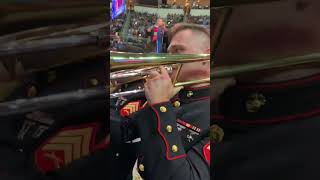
271,64
128,67
145,62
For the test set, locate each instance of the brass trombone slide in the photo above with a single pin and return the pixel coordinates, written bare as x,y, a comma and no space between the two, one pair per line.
228,71
124,60
127,67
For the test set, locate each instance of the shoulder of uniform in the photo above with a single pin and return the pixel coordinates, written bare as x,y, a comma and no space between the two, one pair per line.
131,103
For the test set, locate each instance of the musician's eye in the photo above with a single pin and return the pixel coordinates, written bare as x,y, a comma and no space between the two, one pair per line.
176,49
181,50
171,50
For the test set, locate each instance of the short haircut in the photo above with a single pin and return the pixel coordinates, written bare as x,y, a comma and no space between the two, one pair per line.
187,26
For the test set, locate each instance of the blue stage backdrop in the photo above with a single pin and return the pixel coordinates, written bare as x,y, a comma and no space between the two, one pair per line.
118,7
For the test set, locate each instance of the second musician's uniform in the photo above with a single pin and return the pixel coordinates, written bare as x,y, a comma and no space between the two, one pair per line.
270,131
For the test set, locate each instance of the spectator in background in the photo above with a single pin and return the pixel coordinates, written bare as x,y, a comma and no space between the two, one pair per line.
174,4
159,38
187,9
130,5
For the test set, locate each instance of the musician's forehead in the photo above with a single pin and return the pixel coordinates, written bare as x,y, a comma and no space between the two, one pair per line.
182,36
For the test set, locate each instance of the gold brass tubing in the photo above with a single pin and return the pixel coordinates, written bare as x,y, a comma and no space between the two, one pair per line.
228,71
122,61
198,81
177,73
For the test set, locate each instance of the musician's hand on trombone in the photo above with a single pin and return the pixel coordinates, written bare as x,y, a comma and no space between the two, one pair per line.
158,86
220,85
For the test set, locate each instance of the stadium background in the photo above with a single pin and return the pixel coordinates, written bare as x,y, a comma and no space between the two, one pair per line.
128,31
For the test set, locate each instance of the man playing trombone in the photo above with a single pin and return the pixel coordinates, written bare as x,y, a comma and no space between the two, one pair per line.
171,123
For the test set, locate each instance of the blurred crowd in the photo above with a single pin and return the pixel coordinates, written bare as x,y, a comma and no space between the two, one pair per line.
193,6
139,24
202,20
117,24
174,19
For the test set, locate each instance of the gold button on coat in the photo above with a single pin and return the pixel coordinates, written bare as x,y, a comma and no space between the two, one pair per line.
163,109
176,104
189,94
174,148
169,129
141,167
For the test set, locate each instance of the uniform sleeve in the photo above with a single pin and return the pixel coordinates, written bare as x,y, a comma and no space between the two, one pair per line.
122,128
163,154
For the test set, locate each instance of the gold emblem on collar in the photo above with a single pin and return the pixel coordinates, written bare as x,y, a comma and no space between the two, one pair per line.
216,133
189,94
255,102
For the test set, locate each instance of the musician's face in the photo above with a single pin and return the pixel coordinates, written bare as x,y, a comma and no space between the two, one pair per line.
191,42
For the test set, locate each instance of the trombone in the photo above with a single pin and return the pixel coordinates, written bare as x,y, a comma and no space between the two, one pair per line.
128,67
128,61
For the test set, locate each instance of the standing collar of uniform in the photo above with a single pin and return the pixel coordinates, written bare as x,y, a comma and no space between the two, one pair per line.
272,102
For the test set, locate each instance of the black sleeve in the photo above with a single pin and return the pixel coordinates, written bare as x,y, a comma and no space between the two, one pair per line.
164,156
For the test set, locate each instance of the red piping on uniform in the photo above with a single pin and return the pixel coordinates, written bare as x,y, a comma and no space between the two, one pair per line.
282,84
279,120
164,139
144,105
